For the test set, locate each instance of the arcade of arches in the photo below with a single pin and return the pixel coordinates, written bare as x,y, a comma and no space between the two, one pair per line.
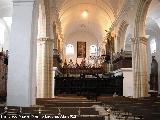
44,36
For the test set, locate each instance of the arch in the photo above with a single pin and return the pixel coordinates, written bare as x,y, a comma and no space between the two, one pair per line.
93,50
121,36
2,32
141,13
152,46
127,46
152,30
5,33
69,49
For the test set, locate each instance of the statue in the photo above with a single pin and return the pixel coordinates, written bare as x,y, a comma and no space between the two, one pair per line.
154,75
76,64
83,63
70,64
109,47
65,64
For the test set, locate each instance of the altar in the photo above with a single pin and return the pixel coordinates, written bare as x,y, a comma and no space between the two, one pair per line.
88,71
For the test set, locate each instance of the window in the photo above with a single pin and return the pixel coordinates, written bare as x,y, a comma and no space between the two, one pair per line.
69,49
2,30
93,50
153,46
8,21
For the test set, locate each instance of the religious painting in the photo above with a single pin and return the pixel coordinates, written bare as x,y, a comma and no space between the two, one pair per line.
81,49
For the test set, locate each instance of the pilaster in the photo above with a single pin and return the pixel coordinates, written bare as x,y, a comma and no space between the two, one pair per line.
44,67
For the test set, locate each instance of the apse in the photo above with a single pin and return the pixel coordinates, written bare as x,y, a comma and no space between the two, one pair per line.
88,18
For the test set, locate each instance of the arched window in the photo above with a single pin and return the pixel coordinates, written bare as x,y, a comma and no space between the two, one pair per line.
69,49
2,31
93,50
8,21
153,46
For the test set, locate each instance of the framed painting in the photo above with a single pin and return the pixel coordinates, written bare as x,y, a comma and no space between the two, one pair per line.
81,49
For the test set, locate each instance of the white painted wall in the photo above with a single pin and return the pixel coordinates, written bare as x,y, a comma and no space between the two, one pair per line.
19,84
128,83
82,37
34,31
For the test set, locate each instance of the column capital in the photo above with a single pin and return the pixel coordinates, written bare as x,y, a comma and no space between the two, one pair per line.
22,1
137,40
44,39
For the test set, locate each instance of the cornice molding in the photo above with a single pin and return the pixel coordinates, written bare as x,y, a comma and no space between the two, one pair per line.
21,1
44,39
138,40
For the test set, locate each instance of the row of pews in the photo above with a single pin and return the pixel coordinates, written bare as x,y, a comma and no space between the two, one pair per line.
124,108
54,108
80,108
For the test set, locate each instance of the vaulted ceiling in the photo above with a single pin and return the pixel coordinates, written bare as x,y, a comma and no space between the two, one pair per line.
101,15
153,20
154,9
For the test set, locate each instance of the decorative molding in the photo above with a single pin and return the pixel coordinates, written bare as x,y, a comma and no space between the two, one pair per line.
123,12
17,2
44,39
22,1
138,40
126,69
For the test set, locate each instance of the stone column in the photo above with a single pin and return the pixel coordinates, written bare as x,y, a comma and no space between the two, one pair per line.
44,67
139,61
20,78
